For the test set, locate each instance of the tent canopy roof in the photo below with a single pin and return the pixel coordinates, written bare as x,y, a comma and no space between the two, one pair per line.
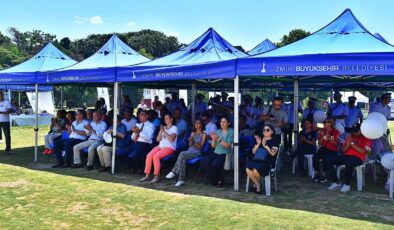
209,47
113,53
49,58
264,46
343,35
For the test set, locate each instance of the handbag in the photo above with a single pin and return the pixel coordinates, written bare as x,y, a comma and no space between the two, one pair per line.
261,154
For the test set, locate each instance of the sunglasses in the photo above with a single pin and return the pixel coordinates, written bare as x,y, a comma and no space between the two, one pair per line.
267,130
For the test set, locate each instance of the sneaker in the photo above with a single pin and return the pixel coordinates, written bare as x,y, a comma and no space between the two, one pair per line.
45,152
316,178
345,188
155,179
179,183
145,178
334,186
170,175
322,179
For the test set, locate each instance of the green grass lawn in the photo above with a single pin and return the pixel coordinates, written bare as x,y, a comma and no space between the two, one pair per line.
35,196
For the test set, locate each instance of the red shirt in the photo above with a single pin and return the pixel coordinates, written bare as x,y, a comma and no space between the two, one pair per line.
360,141
327,143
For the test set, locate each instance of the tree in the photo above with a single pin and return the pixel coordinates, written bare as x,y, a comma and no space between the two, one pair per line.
154,42
30,42
293,36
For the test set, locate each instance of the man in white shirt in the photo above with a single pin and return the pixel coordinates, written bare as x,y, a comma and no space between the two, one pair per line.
96,130
129,121
210,127
77,135
5,110
143,134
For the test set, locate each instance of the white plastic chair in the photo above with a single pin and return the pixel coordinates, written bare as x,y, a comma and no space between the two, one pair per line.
360,171
267,179
309,159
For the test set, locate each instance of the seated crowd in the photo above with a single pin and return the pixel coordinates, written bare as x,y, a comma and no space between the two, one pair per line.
144,141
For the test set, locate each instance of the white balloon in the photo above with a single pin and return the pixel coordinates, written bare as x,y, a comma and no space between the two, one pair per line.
339,127
372,129
380,117
388,160
319,116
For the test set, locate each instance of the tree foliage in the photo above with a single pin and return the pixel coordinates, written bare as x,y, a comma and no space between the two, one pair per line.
293,36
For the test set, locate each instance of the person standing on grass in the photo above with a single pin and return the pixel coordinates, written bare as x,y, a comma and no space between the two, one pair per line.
222,141
167,139
5,110
264,157
276,117
96,130
197,141
355,150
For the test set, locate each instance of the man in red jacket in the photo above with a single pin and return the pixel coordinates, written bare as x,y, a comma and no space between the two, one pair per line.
355,150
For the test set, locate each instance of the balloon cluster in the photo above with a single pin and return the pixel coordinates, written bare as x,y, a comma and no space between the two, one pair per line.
374,126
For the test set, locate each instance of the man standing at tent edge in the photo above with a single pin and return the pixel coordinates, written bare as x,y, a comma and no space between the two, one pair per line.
5,110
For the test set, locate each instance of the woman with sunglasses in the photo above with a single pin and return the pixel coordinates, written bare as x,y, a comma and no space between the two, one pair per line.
222,141
328,141
264,156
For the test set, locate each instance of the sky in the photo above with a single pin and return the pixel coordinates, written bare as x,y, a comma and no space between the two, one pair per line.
245,23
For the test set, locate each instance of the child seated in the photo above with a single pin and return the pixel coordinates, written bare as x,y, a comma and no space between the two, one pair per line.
58,124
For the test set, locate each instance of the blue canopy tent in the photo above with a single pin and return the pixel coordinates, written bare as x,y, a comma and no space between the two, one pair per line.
344,49
49,58
101,67
264,46
26,73
208,57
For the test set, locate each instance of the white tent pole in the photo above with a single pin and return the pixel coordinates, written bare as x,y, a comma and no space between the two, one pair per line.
295,105
332,92
61,97
115,124
193,102
36,126
236,133
19,99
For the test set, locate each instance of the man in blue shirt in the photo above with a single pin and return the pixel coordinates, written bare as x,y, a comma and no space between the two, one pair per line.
355,115
338,110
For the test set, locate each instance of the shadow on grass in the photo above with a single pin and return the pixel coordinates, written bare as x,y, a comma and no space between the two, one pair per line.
295,192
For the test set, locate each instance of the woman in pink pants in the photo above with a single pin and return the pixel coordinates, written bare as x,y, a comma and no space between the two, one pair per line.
167,139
